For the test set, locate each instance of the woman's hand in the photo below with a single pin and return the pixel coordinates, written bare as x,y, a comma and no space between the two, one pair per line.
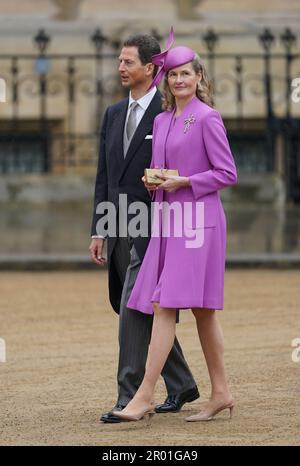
172,183
150,187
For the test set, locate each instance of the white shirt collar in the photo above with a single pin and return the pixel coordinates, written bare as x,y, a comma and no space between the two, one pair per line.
145,100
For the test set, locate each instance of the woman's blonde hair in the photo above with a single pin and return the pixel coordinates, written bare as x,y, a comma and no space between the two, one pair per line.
204,90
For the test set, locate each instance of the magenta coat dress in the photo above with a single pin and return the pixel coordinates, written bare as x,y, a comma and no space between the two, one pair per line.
171,273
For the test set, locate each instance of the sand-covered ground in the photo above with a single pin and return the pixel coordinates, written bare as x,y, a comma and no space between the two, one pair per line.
61,340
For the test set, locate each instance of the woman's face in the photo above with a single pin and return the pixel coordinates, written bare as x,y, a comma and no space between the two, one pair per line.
183,81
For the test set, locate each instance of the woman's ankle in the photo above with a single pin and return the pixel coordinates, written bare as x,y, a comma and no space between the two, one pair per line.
220,394
144,396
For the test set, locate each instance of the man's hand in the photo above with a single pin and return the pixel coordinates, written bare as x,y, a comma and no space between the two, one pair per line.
96,248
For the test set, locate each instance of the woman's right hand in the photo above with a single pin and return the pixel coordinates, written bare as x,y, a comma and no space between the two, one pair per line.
150,187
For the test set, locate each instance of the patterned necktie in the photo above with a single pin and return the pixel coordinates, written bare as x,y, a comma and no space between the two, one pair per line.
131,122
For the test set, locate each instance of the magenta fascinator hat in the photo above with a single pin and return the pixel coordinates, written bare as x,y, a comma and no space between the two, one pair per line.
170,58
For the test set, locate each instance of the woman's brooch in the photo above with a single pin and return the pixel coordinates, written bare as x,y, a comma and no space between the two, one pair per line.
188,122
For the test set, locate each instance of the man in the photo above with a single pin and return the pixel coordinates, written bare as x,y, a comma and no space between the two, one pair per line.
125,151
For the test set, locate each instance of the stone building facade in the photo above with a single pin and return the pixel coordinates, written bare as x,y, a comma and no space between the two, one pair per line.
59,81
57,89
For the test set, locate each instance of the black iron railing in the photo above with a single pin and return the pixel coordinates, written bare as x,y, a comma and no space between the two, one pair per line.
43,139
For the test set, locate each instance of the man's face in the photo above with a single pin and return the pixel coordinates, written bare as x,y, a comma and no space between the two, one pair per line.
131,70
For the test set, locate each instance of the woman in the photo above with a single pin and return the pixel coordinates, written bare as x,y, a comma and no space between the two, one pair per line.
190,136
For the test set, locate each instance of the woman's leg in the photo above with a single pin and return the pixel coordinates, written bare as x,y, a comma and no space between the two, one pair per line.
162,340
212,342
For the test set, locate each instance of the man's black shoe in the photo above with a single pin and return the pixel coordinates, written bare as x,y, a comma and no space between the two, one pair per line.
110,418
174,403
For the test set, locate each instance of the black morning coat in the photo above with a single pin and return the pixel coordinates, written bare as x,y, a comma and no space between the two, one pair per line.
116,175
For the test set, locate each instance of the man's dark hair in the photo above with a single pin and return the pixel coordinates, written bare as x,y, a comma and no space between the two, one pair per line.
147,46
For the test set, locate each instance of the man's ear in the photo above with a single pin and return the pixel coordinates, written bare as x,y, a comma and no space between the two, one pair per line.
149,69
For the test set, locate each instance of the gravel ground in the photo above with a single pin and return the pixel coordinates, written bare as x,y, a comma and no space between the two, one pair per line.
61,340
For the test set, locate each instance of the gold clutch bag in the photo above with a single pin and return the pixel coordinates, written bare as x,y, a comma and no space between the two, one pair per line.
150,174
